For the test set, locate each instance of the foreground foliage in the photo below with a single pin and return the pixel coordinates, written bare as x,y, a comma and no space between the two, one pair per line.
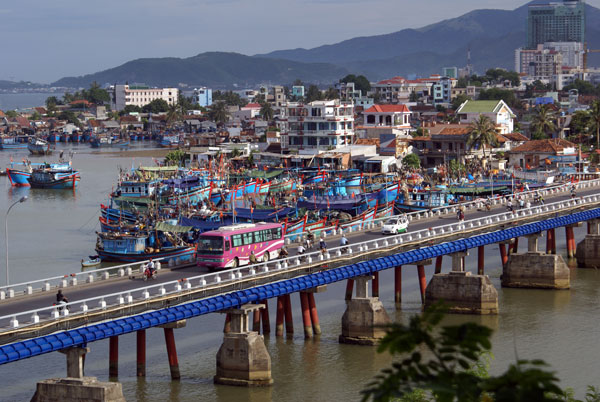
444,364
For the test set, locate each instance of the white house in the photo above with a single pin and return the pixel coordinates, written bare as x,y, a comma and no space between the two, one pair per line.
497,110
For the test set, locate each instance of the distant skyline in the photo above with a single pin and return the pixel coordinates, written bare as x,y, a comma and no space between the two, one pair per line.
45,41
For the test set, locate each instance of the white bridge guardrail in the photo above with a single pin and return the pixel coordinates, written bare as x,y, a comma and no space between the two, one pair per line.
72,279
200,282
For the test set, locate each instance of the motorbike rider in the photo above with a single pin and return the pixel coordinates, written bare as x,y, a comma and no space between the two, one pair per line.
150,270
344,243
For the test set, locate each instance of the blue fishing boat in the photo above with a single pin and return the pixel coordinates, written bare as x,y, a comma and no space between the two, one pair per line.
53,177
11,143
54,138
38,146
169,141
18,178
128,247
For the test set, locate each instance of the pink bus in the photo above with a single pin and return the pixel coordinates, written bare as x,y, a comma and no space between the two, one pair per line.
231,246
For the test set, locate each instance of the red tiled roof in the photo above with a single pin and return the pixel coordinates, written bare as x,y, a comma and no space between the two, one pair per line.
128,119
455,131
252,106
80,102
94,123
552,146
394,80
387,109
40,110
515,137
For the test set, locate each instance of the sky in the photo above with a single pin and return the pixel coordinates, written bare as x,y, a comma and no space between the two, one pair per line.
47,40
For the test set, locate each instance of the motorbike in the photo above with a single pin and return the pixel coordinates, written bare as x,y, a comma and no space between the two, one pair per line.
148,274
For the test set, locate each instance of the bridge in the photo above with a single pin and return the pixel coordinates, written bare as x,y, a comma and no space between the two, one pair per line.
116,305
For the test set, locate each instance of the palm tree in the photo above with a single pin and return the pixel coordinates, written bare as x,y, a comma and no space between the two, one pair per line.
543,123
482,134
219,113
595,115
173,114
267,112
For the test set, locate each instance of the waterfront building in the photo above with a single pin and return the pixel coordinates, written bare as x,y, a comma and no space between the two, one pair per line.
140,95
497,110
556,22
203,96
533,154
319,125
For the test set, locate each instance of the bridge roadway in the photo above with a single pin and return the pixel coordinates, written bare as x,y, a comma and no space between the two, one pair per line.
83,291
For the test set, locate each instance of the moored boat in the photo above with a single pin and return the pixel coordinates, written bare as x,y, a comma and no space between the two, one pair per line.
38,146
54,178
18,178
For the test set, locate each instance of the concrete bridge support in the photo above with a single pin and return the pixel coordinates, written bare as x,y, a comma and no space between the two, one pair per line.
364,318
398,285
76,387
242,359
113,356
588,250
535,269
141,353
461,291
171,349
551,241
570,234
262,315
422,279
284,314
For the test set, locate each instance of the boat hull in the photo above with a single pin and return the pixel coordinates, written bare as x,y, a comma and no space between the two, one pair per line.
18,178
183,253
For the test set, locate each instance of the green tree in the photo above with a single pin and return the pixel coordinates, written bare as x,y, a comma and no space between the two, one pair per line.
542,123
595,117
175,158
173,114
411,161
584,87
313,94
482,134
331,94
219,113
11,114
266,111
52,101
230,98
96,94
156,106
441,361
130,109
459,100
361,82
413,97
35,116
70,117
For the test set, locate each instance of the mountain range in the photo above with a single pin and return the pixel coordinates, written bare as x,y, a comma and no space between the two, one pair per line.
491,35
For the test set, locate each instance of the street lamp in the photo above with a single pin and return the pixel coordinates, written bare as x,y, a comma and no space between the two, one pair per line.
22,199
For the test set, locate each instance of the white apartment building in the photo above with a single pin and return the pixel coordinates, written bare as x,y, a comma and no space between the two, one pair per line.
317,126
139,95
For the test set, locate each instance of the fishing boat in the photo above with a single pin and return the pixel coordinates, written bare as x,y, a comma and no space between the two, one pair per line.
11,143
18,178
360,222
121,143
38,146
169,141
55,178
93,261
129,247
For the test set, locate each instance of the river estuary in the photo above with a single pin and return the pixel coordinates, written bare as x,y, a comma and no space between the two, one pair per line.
53,230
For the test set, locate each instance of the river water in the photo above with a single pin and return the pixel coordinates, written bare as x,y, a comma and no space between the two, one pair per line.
53,230
25,100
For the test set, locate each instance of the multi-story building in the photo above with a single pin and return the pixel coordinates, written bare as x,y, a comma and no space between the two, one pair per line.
140,95
556,22
203,96
399,89
298,91
442,91
317,126
549,59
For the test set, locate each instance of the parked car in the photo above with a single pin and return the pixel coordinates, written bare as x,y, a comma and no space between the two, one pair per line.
395,225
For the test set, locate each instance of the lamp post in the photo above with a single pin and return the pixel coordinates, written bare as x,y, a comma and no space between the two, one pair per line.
22,199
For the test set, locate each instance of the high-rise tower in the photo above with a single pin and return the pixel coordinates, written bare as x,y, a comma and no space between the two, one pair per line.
556,22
